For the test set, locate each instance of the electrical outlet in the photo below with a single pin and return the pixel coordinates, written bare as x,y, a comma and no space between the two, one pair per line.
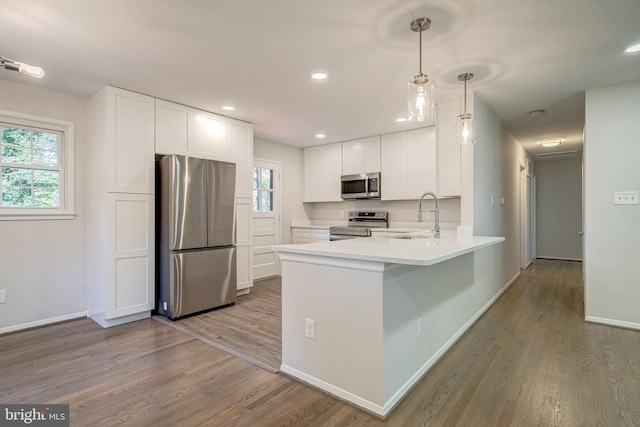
310,328
493,201
341,214
428,214
419,328
502,201
625,198
3,296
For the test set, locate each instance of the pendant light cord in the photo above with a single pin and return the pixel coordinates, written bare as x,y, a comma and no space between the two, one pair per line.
420,53
465,97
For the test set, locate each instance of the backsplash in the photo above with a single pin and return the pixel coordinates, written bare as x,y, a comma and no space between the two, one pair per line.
401,213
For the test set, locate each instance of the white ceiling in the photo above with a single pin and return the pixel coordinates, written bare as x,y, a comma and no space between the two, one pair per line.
258,55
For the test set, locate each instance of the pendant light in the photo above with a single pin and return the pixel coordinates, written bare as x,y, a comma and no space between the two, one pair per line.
29,70
420,98
465,127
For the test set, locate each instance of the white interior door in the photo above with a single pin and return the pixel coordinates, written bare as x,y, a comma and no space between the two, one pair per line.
266,218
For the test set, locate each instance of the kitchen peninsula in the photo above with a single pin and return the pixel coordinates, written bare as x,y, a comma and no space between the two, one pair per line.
364,319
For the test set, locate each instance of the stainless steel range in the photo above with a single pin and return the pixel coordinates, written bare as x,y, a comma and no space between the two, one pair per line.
360,225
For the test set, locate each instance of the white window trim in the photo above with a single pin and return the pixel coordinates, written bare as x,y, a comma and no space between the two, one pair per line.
67,211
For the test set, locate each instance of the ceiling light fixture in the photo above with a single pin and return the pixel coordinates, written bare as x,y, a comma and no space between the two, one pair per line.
537,113
29,70
550,142
401,119
320,135
420,98
465,126
319,76
633,49
228,107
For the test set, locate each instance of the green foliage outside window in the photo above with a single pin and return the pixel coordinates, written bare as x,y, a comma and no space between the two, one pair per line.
30,172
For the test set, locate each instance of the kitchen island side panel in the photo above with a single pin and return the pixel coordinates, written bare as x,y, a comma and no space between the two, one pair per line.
345,302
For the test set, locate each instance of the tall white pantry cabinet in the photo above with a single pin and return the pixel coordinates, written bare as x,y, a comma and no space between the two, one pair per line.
121,211
125,133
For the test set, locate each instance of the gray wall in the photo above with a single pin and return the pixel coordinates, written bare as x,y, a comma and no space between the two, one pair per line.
43,262
559,209
612,232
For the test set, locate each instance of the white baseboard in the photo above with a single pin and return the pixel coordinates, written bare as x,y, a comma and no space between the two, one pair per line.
99,318
43,322
612,322
558,258
335,391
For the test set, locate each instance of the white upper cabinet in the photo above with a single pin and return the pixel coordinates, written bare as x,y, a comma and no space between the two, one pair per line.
130,130
408,164
240,146
322,172
448,149
361,156
210,137
174,128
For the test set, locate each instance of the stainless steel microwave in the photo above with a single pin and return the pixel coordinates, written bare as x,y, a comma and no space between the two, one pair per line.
361,186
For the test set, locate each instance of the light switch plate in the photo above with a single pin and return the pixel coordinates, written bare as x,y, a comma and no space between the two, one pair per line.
625,198
3,296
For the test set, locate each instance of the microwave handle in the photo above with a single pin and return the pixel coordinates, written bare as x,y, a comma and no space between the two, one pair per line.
366,185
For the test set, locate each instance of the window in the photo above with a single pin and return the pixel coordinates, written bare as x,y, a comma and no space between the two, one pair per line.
262,189
36,162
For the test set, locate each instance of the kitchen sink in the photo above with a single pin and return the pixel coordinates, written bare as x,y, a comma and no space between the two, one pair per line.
412,236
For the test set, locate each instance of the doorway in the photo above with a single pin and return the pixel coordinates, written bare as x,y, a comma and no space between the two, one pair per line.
266,218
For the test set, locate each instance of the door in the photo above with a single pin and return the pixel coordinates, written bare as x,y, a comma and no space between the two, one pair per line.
266,218
221,199
183,201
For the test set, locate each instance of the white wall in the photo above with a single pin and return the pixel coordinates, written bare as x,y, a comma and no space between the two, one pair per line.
559,209
496,159
612,232
290,159
43,263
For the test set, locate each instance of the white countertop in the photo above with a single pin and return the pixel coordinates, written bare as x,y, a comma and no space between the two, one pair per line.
420,251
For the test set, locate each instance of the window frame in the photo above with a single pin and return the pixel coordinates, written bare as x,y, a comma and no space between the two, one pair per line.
66,150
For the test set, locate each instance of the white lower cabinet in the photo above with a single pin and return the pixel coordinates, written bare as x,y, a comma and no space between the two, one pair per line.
130,254
309,235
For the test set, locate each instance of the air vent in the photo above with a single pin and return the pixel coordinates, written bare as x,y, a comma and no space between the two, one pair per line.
557,153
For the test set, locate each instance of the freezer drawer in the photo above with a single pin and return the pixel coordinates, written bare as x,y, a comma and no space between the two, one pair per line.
198,281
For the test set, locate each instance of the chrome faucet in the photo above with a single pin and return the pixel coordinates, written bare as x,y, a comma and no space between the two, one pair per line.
436,228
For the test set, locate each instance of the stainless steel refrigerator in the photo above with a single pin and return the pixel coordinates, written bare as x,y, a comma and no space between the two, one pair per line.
196,254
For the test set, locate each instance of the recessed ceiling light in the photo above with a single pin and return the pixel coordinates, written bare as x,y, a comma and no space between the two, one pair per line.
320,135
537,113
550,142
319,76
228,107
401,119
633,49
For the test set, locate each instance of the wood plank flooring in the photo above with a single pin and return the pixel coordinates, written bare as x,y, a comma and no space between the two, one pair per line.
250,329
531,360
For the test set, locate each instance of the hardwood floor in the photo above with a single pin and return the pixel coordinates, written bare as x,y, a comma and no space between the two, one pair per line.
530,360
250,329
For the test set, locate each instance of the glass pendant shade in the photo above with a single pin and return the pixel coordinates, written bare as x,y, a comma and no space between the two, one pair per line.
420,105
465,129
